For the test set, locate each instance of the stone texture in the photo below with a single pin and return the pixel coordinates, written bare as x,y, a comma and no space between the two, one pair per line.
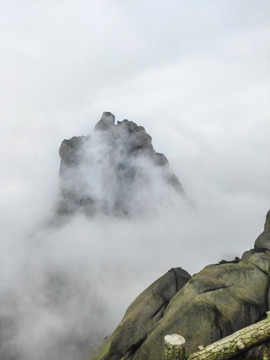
214,303
106,170
263,240
107,120
142,316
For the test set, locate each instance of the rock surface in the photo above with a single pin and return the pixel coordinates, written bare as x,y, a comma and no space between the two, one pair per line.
142,316
263,240
115,170
212,304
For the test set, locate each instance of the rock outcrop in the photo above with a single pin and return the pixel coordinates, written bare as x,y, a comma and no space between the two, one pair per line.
142,316
212,304
115,170
263,240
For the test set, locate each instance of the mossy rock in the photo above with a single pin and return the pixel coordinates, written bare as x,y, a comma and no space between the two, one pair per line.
142,316
214,303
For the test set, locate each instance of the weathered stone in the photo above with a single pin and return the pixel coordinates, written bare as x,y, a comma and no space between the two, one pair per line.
103,172
221,299
142,316
107,121
174,347
161,159
129,125
237,343
263,240
214,303
69,151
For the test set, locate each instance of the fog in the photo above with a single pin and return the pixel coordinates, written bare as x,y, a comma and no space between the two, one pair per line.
196,76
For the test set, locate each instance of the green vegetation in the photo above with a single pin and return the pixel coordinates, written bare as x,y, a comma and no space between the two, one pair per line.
234,261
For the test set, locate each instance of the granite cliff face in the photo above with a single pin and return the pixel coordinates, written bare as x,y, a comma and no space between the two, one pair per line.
115,170
204,308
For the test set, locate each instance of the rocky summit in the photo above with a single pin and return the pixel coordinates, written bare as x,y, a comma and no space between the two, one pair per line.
204,308
114,170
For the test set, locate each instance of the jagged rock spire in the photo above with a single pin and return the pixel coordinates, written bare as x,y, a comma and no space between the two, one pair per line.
113,170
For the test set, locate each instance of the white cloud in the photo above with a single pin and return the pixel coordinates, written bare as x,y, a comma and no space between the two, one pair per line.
195,75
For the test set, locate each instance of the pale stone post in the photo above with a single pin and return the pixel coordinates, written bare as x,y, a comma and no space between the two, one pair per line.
174,347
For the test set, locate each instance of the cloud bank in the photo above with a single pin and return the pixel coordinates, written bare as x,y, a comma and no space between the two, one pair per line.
196,76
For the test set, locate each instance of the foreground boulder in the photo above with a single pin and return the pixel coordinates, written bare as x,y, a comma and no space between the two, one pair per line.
115,170
214,303
142,315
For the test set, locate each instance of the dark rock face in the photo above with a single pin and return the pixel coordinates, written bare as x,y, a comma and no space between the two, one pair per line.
212,304
114,170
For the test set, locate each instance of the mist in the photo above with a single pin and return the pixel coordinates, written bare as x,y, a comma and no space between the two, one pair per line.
196,76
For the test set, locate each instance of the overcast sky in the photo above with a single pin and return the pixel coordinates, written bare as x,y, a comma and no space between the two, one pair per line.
194,73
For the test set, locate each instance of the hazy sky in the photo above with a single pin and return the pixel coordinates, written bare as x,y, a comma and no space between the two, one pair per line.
194,73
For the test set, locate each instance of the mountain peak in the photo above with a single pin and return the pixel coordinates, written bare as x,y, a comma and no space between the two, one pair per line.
114,170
